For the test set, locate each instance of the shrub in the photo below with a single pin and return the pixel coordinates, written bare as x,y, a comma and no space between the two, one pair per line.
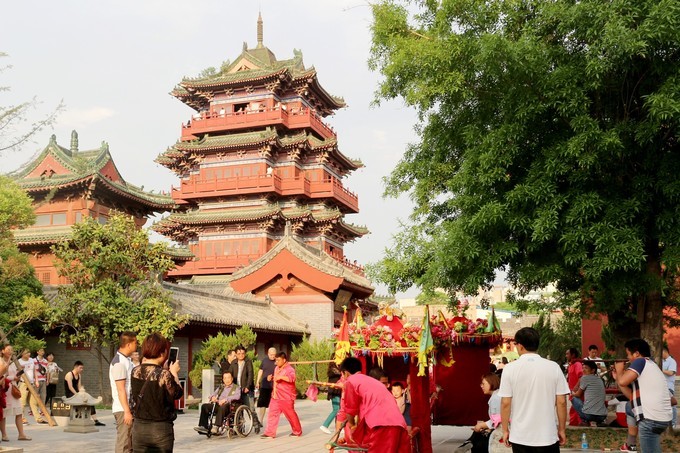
308,351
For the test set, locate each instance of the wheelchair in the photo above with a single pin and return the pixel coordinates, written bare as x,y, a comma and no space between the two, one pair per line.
239,422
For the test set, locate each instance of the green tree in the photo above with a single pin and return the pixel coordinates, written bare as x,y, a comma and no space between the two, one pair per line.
308,351
18,284
215,349
113,271
558,335
548,147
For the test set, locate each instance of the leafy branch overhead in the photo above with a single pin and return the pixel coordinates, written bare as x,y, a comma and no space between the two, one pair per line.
548,147
113,272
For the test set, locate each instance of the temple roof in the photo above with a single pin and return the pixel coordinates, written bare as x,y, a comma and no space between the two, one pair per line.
222,306
219,305
268,136
256,65
42,236
203,217
312,256
58,168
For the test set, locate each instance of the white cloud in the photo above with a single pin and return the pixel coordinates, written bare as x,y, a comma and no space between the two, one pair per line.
81,117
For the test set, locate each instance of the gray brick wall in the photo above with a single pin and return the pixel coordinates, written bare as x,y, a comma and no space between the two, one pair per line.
317,316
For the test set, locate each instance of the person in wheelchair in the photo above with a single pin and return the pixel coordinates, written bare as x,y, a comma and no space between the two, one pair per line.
221,399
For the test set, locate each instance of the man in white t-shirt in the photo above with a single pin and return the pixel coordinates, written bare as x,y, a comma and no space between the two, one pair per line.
119,376
534,395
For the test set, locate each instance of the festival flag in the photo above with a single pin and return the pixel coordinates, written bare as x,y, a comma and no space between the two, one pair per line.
493,325
342,346
426,343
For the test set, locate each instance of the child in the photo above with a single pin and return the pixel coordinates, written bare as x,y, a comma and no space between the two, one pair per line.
400,398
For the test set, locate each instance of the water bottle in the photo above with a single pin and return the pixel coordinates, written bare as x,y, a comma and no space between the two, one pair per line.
584,442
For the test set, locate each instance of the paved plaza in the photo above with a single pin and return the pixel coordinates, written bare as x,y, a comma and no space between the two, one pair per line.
55,440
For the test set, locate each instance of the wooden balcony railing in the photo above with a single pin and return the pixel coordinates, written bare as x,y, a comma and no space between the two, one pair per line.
241,185
209,122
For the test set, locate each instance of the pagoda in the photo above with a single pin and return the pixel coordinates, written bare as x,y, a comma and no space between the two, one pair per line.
67,185
261,200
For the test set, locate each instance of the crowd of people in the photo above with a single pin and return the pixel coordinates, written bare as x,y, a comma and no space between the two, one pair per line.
528,397
529,406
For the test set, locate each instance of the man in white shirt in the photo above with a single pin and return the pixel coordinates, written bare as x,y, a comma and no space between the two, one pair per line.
119,376
594,355
531,390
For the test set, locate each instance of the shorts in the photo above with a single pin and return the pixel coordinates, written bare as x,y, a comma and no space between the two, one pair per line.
264,398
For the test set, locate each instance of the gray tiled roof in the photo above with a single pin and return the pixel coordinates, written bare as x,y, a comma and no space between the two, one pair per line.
220,305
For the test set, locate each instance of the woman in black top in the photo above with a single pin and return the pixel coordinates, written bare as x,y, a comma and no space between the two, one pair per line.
153,394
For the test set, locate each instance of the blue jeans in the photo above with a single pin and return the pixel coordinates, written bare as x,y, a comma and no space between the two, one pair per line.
675,410
650,435
156,437
335,401
577,404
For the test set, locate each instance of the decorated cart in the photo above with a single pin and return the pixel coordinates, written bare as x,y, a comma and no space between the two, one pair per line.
442,363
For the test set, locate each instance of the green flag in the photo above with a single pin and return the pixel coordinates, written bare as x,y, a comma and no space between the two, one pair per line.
426,343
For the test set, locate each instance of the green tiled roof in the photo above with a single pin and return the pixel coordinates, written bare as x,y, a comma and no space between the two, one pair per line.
268,67
179,252
83,167
45,235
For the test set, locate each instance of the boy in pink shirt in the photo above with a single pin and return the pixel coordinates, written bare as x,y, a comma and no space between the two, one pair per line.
283,398
380,426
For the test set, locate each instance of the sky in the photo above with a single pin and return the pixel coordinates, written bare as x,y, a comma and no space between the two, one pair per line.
114,63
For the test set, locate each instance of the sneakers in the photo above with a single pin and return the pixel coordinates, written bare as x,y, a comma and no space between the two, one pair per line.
324,429
264,436
200,430
626,447
98,423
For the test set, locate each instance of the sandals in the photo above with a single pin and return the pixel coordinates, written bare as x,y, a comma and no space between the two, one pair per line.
24,438
5,439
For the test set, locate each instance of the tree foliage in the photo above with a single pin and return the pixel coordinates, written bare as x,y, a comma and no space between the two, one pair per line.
215,349
559,335
308,351
18,284
547,147
113,272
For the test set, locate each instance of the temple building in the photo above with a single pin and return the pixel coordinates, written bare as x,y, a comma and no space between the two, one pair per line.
261,202
67,185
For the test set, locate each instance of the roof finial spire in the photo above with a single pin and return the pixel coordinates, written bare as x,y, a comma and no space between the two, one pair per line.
74,141
259,31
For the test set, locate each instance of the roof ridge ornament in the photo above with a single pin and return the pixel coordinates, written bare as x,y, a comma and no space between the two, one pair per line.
74,141
260,32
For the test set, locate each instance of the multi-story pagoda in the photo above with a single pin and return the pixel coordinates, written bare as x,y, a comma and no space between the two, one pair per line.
261,200
67,185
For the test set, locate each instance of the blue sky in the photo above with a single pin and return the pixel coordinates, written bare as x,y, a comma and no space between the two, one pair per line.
114,63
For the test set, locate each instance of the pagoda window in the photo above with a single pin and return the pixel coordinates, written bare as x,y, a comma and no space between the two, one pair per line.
45,278
79,217
209,249
59,219
246,171
43,220
102,219
227,172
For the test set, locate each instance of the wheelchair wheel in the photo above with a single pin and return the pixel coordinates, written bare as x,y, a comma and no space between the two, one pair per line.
243,421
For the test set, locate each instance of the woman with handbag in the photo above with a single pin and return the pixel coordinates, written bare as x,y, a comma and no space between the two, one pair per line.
484,429
13,397
154,389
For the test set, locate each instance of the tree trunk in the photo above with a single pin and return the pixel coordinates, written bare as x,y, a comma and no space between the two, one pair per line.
651,328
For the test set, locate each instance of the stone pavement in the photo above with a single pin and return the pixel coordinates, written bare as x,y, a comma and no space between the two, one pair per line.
48,439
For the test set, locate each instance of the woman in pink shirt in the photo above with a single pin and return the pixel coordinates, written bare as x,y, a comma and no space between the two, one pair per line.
283,398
